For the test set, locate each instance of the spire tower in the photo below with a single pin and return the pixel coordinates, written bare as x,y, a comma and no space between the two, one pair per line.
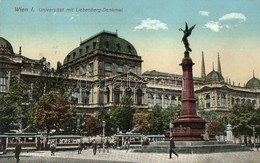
203,71
219,65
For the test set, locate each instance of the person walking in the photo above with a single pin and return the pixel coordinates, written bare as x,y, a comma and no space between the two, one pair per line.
172,146
18,149
94,146
52,147
80,146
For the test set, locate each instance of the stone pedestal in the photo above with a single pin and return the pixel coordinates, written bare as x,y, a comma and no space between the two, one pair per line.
189,126
229,133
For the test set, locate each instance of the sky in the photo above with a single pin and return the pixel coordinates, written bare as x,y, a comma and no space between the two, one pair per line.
53,28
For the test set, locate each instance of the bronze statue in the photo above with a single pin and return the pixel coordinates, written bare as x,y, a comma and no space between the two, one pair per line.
187,33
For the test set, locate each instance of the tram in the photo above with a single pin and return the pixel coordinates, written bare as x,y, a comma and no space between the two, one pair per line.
63,142
134,139
28,141
155,138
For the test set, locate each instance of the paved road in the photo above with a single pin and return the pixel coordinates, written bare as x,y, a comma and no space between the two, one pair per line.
116,156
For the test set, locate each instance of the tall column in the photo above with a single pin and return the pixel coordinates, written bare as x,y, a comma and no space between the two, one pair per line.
189,126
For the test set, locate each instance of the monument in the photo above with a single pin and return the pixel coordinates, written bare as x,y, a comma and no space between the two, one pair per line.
189,126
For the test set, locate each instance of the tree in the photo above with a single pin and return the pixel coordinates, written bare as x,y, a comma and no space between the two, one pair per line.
103,115
7,112
92,126
170,114
13,106
122,115
52,111
156,120
141,122
243,118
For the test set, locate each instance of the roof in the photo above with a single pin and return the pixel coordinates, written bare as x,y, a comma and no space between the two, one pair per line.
5,47
214,76
105,41
253,83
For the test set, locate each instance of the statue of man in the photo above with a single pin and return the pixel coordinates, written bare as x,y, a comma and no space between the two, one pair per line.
187,33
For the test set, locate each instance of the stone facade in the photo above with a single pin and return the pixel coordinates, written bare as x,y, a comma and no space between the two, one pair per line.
106,67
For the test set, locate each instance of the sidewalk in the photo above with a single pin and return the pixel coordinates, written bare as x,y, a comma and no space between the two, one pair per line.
128,156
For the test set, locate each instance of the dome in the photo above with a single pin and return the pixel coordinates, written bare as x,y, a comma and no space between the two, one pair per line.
105,41
253,83
214,76
5,47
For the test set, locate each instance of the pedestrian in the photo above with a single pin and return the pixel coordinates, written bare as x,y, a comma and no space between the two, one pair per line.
80,146
94,146
245,140
53,148
18,149
172,146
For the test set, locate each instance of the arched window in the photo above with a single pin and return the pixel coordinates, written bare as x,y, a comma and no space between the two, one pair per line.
173,101
159,100
223,100
207,101
139,96
85,96
3,81
117,95
75,96
165,101
150,100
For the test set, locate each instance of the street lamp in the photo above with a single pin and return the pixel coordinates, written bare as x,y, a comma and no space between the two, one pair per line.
103,124
171,140
254,135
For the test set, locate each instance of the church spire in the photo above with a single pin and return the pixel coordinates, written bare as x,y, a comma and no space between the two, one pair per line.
219,65
203,71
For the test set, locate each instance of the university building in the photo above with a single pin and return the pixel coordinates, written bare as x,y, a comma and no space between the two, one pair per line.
105,67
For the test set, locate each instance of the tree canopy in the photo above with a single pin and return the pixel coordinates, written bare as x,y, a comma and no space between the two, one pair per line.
52,110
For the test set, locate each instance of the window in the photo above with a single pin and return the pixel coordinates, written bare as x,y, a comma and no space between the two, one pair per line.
91,68
74,55
117,95
80,52
132,69
3,81
87,47
150,100
108,67
120,69
166,101
159,100
223,100
94,45
85,96
173,101
75,96
118,47
139,96
129,49
207,101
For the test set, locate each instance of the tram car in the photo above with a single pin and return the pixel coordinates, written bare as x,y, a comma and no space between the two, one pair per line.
28,141
65,142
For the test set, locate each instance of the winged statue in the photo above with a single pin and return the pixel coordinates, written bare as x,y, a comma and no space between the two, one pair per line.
187,33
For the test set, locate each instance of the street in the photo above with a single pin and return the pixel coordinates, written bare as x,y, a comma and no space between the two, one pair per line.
114,156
